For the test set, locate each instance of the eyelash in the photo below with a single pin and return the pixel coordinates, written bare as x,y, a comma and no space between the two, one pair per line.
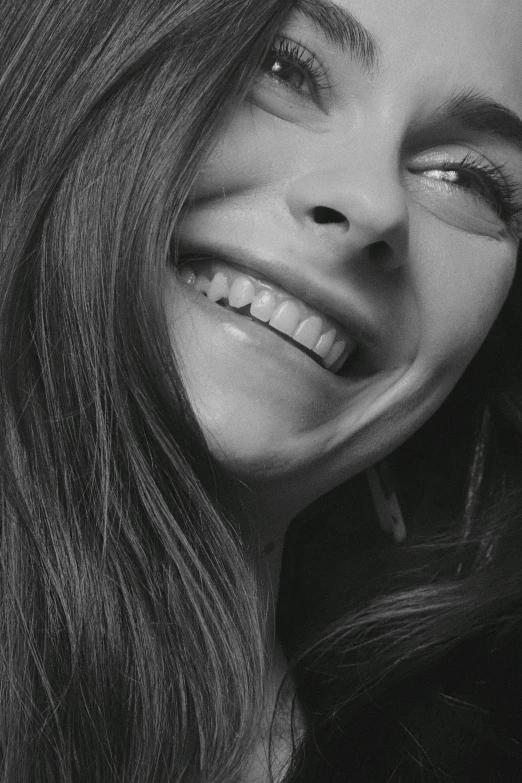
291,53
501,191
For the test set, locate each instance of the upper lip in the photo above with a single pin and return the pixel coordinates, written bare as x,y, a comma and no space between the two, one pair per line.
344,306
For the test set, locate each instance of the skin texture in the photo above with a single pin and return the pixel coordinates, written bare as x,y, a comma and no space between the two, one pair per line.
417,271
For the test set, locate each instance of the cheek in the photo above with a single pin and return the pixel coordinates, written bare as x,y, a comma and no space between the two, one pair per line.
254,150
461,281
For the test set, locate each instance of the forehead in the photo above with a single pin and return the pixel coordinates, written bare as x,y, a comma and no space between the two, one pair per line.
448,43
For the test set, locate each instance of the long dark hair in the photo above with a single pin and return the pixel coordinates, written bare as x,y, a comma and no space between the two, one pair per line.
131,634
408,658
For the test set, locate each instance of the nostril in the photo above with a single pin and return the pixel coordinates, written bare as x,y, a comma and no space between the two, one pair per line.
324,215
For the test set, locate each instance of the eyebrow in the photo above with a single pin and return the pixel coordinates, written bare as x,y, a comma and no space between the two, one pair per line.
477,112
343,29
471,109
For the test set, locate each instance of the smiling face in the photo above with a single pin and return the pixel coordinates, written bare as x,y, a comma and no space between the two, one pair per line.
352,236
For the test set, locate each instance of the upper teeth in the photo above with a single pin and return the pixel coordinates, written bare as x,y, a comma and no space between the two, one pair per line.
292,317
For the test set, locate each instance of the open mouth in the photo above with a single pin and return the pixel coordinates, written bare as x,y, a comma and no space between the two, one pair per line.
313,332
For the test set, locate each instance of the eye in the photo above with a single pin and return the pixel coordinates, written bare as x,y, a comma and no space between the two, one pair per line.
481,180
286,72
295,68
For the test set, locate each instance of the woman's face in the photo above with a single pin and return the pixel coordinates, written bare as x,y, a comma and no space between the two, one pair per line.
357,223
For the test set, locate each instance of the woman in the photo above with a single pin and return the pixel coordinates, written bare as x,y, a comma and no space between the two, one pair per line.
248,253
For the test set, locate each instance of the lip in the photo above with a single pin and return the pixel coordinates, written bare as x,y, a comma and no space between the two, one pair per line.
269,344
343,307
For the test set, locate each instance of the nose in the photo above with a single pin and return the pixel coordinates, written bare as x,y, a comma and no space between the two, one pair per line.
361,208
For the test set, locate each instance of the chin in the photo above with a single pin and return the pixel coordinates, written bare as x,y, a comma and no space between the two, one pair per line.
255,424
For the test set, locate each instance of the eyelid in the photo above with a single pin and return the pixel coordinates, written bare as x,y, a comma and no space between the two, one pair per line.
468,159
319,74
311,52
451,153
463,157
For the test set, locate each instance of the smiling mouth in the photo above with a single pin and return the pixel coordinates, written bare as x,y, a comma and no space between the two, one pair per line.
314,333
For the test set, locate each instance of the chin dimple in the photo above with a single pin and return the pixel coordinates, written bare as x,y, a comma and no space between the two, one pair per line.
315,333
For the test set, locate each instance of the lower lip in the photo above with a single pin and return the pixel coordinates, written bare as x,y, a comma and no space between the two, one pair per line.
257,337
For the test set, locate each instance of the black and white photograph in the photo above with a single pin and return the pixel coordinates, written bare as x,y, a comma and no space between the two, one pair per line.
260,391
